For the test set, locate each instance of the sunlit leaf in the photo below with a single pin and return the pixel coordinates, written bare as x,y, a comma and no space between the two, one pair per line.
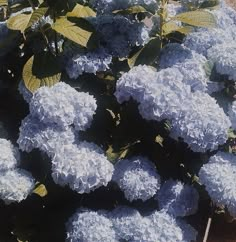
159,140
198,18
40,71
113,155
36,16
19,22
148,54
132,10
185,30
169,27
172,26
81,11
3,3
231,134
41,190
69,30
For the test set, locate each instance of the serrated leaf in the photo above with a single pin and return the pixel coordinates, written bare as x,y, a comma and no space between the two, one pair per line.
19,22
41,190
81,11
132,10
41,71
197,18
69,30
148,54
36,16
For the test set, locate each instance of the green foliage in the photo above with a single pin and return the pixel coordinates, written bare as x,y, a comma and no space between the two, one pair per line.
148,54
40,190
41,70
69,30
132,10
81,11
19,22
197,18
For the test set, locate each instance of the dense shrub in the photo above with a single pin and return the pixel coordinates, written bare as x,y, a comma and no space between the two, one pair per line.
124,115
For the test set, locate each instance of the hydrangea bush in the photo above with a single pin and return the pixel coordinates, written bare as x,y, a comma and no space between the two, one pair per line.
119,116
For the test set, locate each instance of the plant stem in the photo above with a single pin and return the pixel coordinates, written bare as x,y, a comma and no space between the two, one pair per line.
162,19
207,229
209,223
31,4
41,29
55,36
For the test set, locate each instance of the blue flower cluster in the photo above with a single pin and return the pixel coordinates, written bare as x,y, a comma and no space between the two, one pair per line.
56,115
15,184
195,117
127,224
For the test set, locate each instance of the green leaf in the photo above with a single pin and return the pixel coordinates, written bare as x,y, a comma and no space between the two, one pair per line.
23,21
132,10
171,26
36,16
210,4
113,155
159,140
41,190
231,134
81,11
3,3
19,22
198,18
185,30
69,30
41,70
148,54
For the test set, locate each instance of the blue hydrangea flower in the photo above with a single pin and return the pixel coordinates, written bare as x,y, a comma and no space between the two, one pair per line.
178,199
63,106
224,58
137,178
83,167
89,226
90,62
219,178
15,185
118,34
195,117
202,124
26,94
163,227
36,135
108,6
203,40
9,156
52,107
130,225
